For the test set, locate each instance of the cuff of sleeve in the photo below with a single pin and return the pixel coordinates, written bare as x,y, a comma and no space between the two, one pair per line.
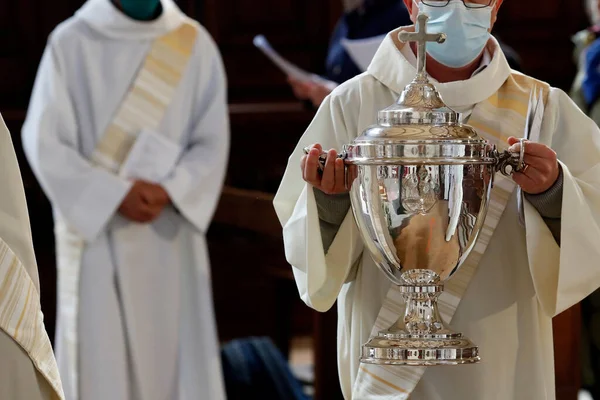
549,203
104,198
187,202
332,208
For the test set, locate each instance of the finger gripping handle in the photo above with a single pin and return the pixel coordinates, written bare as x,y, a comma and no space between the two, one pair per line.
323,157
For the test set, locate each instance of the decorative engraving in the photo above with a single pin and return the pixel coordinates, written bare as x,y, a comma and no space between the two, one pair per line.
421,95
419,190
416,344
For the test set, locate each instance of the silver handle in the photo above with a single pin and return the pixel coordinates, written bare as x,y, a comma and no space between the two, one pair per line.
507,159
323,157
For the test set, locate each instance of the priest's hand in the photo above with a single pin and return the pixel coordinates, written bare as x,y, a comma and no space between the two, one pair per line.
154,195
144,202
331,180
541,170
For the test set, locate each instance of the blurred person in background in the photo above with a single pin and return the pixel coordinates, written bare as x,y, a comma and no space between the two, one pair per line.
128,134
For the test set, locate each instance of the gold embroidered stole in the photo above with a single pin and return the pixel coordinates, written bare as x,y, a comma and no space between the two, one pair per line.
150,95
496,119
144,106
21,317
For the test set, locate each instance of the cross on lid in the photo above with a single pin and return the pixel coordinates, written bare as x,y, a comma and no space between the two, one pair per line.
421,37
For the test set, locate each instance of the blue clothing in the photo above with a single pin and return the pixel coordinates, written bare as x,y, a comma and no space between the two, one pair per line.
591,82
374,18
254,368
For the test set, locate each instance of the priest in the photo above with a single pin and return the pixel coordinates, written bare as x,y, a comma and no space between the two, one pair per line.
128,134
528,272
28,369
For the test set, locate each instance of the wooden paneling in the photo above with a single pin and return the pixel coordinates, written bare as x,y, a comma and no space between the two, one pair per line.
540,31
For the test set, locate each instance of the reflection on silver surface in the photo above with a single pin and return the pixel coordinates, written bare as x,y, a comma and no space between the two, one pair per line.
420,217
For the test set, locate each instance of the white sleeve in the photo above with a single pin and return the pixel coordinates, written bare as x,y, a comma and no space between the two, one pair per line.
565,275
319,277
85,196
197,179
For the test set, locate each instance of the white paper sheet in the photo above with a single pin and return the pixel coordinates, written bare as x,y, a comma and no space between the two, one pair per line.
362,51
284,65
152,158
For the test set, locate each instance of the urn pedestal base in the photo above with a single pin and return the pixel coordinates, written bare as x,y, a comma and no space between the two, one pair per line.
419,351
419,337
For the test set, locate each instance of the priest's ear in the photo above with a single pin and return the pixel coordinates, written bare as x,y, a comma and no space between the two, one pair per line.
496,6
413,8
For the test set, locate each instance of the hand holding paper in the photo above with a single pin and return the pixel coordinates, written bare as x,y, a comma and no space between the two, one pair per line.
284,65
313,91
309,86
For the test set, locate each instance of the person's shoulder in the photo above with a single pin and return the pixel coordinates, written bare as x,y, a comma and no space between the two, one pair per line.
203,39
553,95
557,99
67,32
192,25
197,28
522,79
355,89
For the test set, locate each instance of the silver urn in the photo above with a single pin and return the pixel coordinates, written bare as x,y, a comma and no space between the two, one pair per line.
420,184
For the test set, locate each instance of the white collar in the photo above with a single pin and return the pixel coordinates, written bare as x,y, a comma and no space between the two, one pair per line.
103,16
485,61
394,65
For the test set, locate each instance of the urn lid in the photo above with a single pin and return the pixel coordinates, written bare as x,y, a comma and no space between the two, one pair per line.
419,129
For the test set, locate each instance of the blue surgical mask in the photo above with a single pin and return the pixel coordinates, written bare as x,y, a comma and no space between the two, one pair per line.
467,31
142,10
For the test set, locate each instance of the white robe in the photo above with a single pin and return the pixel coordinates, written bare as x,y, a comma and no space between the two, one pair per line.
146,321
19,378
524,278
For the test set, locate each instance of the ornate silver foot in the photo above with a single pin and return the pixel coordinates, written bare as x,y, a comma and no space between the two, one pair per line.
419,337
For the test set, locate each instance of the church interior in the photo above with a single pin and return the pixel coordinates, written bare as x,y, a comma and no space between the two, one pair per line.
254,292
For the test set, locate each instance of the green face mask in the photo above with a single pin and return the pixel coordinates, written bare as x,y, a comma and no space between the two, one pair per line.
142,10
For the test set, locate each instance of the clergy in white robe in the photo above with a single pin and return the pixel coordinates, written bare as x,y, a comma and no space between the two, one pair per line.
135,308
28,369
522,280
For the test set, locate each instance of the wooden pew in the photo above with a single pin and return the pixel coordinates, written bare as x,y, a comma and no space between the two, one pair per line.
252,211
